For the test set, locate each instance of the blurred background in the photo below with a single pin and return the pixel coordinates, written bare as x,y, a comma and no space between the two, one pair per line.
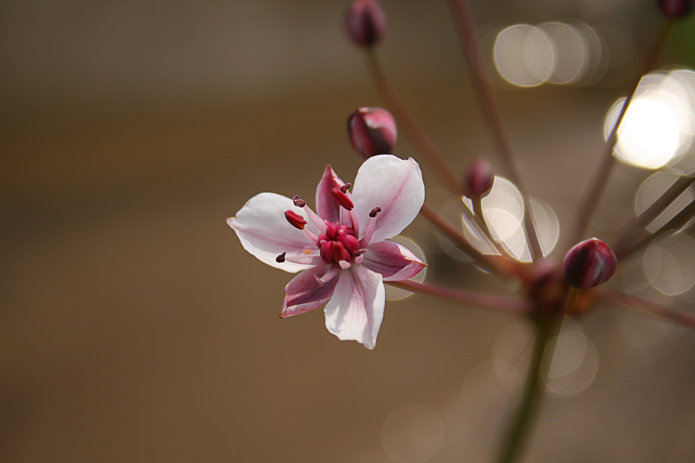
134,327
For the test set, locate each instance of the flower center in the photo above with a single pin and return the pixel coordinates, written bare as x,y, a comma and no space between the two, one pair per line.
338,243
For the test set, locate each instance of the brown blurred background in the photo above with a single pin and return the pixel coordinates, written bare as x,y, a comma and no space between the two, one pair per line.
134,327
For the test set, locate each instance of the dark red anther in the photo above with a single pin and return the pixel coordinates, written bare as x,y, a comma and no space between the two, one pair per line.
298,201
374,212
345,187
296,220
281,258
342,198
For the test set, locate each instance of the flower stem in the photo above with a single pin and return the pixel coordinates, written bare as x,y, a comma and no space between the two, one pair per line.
588,203
680,317
517,433
482,224
412,129
625,249
636,227
499,266
484,301
491,112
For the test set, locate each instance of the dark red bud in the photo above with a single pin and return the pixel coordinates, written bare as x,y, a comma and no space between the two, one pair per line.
676,9
342,198
365,22
589,264
372,131
479,178
296,220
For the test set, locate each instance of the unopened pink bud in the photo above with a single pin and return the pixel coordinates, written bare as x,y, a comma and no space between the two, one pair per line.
479,178
675,9
365,22
589,264
372,131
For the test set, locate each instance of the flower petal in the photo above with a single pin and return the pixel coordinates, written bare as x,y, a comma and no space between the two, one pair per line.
326,206
356,309
395,186
304,294
265,232
392,261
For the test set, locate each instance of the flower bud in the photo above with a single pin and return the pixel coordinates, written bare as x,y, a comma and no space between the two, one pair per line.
372,131
676,9
479,179
589,264
365,22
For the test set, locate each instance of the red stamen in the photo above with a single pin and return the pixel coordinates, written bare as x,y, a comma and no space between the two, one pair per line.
342,198
296,220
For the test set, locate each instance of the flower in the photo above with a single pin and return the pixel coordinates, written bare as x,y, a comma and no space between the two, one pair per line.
342,250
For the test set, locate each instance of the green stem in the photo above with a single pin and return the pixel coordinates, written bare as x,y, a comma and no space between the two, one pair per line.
517,434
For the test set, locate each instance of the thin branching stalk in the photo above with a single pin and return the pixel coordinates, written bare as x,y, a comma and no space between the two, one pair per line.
470,298
672,314
589,201
636,226
482,224
492,114
494,264
626,249
413,131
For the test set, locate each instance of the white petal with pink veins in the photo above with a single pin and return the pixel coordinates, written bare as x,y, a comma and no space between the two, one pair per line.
356,308
303,294
393,261
265,232
394,185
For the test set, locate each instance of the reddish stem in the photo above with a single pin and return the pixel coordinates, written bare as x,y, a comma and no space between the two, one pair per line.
491,112
590,200
412,129
678,316
484,301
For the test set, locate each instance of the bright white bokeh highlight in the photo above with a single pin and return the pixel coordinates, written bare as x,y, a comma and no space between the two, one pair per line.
524,55
503,210
553,52
658,127
574,361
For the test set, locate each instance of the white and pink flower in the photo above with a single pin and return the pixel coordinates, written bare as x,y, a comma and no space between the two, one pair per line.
343,249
